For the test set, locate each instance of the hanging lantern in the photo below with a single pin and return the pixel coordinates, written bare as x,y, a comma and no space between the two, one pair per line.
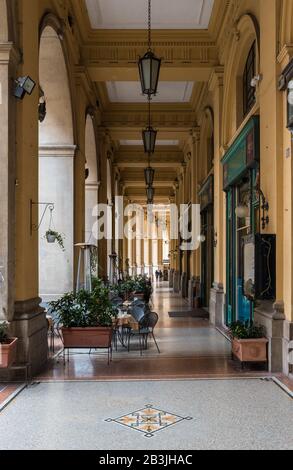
149,71
150,192
149,174
149,137
149,65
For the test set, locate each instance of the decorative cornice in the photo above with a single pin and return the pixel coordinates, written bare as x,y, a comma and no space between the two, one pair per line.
9,54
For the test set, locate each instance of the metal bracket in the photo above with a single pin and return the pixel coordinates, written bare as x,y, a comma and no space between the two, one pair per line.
48,205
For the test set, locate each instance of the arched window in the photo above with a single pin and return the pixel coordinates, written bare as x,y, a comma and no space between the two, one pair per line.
248,74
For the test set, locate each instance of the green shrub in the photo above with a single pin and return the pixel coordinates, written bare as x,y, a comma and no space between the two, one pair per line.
3,332
247,330
84,309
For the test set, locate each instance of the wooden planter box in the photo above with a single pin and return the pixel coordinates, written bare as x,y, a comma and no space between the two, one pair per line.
87,338
250,350
8,353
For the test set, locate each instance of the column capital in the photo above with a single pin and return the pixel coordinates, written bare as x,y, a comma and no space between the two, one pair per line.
195,134
217,78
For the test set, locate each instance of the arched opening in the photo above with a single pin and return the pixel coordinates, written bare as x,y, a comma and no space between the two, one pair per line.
243,62
56,158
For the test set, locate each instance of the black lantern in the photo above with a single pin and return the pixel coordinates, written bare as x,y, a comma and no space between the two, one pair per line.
149,174
286,84
149,70
149,65
149,136
150,193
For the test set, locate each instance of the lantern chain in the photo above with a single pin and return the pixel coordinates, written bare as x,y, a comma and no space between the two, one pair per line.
150,24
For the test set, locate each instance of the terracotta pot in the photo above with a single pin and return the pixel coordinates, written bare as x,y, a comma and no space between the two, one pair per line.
87,337
8,353
250,350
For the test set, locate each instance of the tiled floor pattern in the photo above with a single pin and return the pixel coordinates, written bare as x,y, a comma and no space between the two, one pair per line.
149,420
226,414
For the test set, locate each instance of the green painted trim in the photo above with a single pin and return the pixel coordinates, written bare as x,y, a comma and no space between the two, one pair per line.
252,123
237,159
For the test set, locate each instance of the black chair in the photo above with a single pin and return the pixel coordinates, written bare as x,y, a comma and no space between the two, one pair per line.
146,327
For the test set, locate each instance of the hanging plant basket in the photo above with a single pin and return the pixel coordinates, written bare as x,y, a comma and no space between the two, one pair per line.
51,238
52,235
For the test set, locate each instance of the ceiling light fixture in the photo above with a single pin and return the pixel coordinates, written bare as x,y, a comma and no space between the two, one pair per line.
149,135
149,65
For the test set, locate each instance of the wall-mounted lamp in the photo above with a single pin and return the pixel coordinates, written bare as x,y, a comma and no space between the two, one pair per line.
23,85
256,80
201,238
42,109
290,107
242,210
215,239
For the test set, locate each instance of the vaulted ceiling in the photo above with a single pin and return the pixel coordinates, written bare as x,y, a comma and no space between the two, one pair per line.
115,35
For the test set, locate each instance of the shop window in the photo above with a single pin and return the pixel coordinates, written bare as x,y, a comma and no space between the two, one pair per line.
248,74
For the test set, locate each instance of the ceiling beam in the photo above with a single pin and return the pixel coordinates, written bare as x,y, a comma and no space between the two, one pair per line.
125,73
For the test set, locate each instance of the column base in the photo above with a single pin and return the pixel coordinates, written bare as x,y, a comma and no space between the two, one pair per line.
217,305
171,278
194,292
279,332
176,282
184,285
29,325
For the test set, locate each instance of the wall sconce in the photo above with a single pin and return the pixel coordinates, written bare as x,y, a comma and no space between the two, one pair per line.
23,85
215,239
290,107
264,208
242,211
256,80
42,109
201,238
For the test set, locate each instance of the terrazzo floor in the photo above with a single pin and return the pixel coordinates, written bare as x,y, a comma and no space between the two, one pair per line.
205,414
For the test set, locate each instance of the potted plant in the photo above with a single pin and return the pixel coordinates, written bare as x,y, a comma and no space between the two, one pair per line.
86,318
7,347
52,236
249,343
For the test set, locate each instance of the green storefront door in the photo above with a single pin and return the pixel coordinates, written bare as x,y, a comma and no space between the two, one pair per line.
241,164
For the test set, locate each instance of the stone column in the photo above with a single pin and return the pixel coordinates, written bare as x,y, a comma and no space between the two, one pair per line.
29,322
217,295
8,63
103,145
160,253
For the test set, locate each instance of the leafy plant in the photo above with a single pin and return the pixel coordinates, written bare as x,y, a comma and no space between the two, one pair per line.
4,333
84,309
58,237
138,284
247,330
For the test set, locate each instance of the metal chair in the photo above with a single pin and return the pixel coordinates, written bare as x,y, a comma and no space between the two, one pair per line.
147,325
137,313
117,301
